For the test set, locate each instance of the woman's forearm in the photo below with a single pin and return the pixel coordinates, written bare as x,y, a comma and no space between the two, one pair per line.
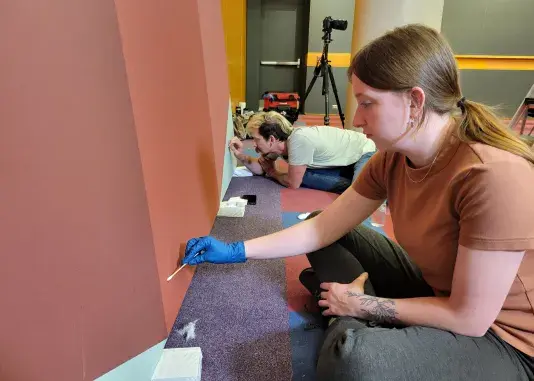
345,213
299,239
433,312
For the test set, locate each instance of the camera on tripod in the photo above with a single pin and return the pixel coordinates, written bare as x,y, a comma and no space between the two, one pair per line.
329,23
324,69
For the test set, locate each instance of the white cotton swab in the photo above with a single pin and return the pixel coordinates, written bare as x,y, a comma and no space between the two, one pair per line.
178,269
176,272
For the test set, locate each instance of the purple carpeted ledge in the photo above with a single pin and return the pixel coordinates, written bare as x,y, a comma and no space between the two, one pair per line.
243,326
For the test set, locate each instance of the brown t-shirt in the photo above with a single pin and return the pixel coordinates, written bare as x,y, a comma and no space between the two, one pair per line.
476,196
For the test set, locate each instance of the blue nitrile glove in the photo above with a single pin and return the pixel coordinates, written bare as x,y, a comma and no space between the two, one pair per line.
213,251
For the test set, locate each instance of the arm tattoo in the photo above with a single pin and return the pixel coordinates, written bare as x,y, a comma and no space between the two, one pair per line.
376,309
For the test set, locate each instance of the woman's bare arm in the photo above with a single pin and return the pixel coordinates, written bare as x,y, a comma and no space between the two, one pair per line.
481,282
349,210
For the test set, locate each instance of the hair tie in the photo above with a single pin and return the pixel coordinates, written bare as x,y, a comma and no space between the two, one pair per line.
461,104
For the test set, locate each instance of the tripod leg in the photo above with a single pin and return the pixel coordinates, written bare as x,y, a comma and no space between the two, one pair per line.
316,72
326,90
341,116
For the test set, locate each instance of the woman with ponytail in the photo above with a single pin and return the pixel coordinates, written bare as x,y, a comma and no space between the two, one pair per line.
480,125
452,298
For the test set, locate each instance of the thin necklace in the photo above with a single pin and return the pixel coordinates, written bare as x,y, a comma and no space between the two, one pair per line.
429,169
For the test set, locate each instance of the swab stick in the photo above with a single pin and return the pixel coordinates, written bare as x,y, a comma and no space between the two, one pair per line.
178,269
176,272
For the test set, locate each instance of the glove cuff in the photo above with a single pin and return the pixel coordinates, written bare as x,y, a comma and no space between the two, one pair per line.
238,252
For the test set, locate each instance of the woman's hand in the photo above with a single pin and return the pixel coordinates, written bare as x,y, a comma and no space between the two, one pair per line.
208,249
337,297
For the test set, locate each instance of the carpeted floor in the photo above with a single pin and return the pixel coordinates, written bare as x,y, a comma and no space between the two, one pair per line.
243,326
255,320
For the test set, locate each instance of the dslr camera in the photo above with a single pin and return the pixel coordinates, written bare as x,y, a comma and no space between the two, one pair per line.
329,23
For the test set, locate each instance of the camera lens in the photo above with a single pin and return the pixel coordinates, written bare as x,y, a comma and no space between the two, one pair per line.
339,24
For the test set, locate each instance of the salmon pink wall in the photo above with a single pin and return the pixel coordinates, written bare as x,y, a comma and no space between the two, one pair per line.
216,74
78,284
110,159
179,91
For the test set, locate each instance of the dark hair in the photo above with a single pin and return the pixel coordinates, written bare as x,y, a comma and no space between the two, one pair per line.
416,55
272,128
269,124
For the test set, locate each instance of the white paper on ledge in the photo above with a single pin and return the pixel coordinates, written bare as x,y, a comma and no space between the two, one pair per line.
231,209
236,201
242,172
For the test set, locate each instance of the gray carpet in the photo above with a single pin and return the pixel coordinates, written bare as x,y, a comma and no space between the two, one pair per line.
243,326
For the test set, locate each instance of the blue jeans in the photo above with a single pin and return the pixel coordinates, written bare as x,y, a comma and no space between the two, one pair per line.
336,179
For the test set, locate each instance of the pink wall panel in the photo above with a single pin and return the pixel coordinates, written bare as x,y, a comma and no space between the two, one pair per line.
163,44
78,279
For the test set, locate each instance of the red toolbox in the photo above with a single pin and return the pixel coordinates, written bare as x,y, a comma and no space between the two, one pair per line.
286,104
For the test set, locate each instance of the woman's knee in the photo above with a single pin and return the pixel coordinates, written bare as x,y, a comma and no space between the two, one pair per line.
313,214
360,238
355,354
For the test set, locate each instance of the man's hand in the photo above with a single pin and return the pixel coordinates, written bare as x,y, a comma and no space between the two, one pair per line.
267,165
236,147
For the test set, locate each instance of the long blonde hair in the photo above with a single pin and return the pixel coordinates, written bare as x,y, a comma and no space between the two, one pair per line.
416,55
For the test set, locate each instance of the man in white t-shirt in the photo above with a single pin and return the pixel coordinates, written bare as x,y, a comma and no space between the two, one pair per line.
319,157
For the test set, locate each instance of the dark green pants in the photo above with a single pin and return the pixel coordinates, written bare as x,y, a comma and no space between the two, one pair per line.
354,350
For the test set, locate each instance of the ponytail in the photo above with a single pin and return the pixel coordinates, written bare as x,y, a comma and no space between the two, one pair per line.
480,124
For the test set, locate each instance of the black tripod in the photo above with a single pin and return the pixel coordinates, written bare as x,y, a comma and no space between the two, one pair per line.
323,67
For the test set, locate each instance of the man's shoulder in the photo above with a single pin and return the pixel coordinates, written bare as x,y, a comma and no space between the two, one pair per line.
304,130
302,133
326,134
